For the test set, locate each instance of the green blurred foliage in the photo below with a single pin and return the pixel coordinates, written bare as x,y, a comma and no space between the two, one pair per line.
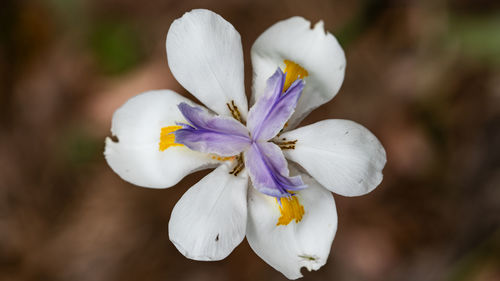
68,10
478,36
78,148
362,20
115,46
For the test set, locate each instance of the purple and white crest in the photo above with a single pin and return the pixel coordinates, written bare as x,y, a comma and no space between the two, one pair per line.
224,136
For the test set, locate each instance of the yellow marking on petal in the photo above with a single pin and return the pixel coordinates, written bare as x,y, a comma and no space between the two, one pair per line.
167,139
290,209
293,72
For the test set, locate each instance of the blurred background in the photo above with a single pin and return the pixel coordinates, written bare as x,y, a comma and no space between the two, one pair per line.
424,76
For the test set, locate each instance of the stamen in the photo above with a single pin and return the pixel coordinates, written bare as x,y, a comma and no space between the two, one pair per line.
286,144
167,138
223,158
293,72
290,209
234,111
239,165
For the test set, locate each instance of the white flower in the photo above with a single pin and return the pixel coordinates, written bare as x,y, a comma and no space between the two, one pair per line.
288,231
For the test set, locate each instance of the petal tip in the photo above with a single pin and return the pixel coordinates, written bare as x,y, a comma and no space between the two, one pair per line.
320,25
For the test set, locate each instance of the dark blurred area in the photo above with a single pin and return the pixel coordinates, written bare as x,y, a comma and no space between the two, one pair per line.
424,76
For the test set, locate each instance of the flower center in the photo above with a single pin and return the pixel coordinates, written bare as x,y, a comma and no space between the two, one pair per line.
167,138
290,209
252,145
293,72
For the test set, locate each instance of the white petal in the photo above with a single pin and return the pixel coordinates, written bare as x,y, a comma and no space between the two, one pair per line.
209,221
341,155
288,248
314,49
205,55
136,156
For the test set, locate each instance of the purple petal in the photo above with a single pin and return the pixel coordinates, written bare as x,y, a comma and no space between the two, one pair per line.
270,113
211,134
268,170
201,119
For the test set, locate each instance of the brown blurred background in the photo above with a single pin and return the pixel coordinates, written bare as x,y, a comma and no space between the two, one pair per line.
424,76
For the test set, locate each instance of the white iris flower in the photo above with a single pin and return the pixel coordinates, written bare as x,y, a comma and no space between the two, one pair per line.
289,221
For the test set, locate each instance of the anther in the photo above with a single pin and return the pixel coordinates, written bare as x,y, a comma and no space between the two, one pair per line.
223,158
286,144
239,166
235,112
